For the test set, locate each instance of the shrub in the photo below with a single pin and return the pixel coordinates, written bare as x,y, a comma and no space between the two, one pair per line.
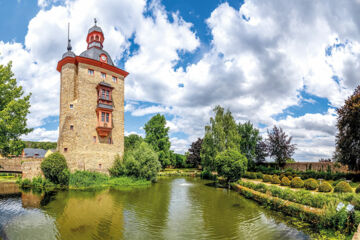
207,174
231,164
297,183
357,190
290,178
26,183
253,175
285,181
343,187
55,169
87,179
275,180
311,184
325,187
259,175
141,162
267,178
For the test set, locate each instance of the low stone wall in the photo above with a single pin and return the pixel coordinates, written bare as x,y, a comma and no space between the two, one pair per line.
31,169
317,166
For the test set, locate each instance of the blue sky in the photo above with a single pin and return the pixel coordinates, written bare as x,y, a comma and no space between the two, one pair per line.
185,57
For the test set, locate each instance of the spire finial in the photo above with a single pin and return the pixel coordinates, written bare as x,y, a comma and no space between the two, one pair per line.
95,21
69,41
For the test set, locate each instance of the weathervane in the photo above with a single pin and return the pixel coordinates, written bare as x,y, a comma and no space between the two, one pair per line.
69,41
95,21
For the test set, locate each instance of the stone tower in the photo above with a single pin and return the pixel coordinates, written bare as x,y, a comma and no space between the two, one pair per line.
91,127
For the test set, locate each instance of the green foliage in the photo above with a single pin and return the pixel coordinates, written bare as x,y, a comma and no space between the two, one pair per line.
259,175
267,178
157,135
279,146
261,152
343,187
26,183
220,135
132,141
249,138
193,158
285,181
357,190
178,160
275,179
141,162
297,183
231,164
348,137
311,184
14,108
41,145
55,169
325,187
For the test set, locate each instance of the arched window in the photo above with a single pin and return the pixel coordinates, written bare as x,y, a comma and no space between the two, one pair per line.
97,37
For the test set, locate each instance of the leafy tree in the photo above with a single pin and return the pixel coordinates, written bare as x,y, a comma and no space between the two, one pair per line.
249,138
220,135
14,107
41,145
157,136
178,160
193,158
231,164
261,152
348,137
140,162
55,169
279,145
132,141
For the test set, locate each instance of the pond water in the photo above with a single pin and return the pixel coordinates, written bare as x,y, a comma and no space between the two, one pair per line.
173,208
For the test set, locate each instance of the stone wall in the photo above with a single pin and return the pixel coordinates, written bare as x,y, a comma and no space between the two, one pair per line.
317,166
78,88
30,167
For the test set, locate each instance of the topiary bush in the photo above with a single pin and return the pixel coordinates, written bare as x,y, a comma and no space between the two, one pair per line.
275,179
285,181
343,187
253,175
267,178
259,175
311,184
325,187
297,183
55,169
357,190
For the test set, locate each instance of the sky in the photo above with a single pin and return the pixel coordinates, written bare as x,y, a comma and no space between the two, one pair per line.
280,62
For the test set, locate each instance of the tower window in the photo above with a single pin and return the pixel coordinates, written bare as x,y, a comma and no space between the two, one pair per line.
65,149
110,142
102,116
103,75
94,139
103,93
114,79
71,106
97,37
107,95
107,117
71,127
91,72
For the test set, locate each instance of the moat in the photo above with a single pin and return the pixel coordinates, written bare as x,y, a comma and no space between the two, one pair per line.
173,208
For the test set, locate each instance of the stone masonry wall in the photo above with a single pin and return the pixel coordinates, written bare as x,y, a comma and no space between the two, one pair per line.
317,166
79,89
30,167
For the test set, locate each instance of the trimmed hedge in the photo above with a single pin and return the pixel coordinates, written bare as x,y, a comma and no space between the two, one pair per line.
267,178
275,180
55,169
325,187
285,181
343,187
311,184
297,183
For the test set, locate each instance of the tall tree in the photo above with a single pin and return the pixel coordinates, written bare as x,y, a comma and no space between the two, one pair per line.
279,145
193,158
220,135
261,151
14,107
157,136
249,138
348,137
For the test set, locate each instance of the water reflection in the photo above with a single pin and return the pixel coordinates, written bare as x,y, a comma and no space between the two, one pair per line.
176,208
